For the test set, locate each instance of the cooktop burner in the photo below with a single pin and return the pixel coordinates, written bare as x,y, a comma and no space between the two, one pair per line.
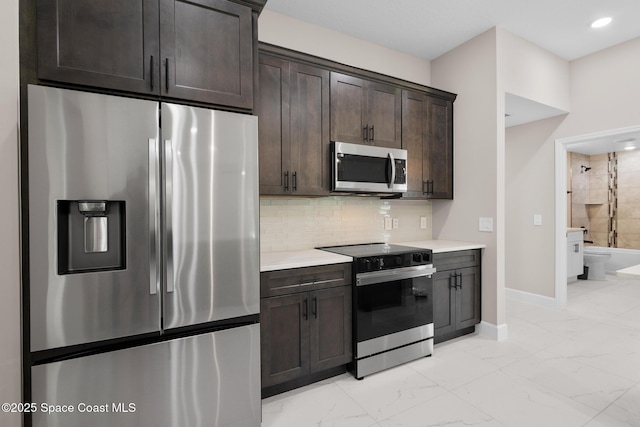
369,249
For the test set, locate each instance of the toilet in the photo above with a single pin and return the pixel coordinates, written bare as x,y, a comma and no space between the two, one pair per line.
594,258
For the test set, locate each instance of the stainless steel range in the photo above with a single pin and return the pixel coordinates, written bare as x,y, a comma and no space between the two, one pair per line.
392,305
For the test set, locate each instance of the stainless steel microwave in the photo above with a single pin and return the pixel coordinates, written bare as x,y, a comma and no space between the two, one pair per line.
357,168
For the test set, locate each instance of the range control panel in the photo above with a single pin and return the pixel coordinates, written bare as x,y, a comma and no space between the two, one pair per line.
391,261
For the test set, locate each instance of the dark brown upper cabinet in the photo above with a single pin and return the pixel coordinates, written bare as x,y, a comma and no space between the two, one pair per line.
365,112
440,123
109,44
293,114
200,50
427,135
207,52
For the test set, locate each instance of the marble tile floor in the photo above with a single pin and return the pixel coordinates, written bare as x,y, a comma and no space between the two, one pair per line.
564,368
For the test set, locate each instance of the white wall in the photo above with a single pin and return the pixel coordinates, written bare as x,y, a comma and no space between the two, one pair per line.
10,363
530,255
604,89
531,72
470,70
282,30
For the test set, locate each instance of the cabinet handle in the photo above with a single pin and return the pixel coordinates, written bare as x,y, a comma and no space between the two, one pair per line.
305,309
459,282
314,308
365,132
286,181
425,184
371,138
151,71
455,284
430,187
294,179
166,74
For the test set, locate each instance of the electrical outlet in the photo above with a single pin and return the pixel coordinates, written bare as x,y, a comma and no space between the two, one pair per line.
396,223
423,222
388,223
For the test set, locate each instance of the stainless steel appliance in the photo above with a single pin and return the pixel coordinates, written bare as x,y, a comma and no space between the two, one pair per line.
392,305
143,262
357,168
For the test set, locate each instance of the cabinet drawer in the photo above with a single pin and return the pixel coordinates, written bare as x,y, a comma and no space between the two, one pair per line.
458,259
282,282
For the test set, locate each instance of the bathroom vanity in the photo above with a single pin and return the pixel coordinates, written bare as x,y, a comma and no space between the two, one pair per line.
575,253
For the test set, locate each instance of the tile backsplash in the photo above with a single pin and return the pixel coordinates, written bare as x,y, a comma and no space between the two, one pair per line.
303,223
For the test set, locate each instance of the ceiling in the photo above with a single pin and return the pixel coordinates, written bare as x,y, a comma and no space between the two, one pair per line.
609,142
429,28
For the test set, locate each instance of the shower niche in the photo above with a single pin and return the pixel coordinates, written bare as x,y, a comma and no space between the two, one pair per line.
91,236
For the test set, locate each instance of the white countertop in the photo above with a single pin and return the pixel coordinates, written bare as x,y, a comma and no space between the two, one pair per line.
438,246
270,261
630,272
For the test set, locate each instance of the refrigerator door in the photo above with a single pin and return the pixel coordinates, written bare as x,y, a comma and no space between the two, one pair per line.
211,216
92,226
209,380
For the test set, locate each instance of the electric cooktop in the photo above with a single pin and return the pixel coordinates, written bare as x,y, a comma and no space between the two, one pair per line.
369,249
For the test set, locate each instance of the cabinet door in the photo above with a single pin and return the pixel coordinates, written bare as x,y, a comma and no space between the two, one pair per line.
310,145
444,303
440,116
468,297
347,109
414,140
384,113
330,328
207,51
273,110
284,333
109,44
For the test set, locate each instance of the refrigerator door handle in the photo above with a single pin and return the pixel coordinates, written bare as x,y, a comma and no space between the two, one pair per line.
168,216
154,216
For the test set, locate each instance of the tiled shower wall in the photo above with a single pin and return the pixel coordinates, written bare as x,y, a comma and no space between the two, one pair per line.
590,204
628,212
303,223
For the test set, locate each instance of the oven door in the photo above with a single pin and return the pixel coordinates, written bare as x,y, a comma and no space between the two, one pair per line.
392,301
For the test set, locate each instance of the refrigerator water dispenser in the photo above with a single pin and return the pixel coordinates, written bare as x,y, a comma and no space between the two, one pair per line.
91,235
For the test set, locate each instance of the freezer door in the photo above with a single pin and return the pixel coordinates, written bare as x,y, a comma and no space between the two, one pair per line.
91,270
211,215
210,380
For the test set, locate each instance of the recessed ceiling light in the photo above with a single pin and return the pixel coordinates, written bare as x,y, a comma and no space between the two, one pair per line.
602,22
630,147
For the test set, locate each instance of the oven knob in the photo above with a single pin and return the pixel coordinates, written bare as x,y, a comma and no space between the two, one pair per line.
378,263
365,264
426,256
398,261
417,257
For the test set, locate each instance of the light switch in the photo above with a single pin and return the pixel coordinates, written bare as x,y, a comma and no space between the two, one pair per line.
485,224
537,219
388,223
396,223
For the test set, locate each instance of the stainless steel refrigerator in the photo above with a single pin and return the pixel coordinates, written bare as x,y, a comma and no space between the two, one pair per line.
143,263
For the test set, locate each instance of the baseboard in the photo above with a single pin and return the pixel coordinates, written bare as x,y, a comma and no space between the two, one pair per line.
529,298
494,332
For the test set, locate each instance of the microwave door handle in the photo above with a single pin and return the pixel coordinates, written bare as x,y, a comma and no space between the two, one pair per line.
393,170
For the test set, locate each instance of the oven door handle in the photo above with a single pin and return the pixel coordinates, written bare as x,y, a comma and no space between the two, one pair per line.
364,279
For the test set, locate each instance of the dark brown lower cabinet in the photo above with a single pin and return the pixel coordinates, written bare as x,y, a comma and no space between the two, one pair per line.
305,334
457,294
